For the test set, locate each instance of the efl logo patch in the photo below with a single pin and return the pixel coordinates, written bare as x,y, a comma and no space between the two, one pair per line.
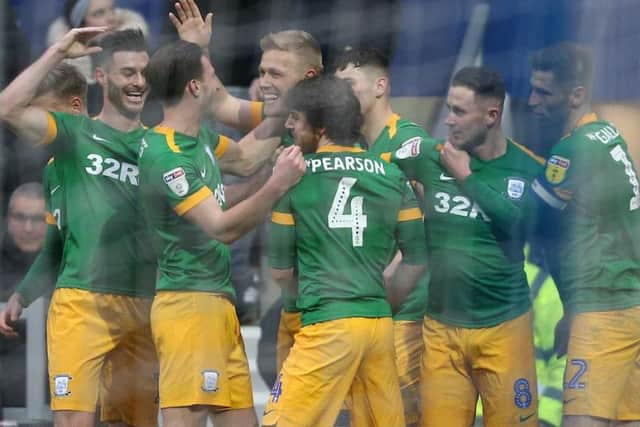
515,188
61,385
210,381
176,179
410,148
557,169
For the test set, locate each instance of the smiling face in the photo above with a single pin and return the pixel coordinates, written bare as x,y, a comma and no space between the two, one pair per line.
279,71
123,81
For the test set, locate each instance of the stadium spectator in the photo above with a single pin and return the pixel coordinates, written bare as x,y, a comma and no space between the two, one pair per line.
93,13
24,235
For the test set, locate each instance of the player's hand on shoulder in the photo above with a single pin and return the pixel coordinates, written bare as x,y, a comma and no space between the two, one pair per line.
190,25
456,161
10,314
75,43
289,167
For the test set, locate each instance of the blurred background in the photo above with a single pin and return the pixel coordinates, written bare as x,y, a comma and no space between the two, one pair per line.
426,40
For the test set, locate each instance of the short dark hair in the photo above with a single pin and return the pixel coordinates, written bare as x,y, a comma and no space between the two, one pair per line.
483,81
328,102
363,57
129,40
171,68
64,81
570,63
32,190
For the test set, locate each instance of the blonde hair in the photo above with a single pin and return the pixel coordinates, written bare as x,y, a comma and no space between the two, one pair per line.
300,43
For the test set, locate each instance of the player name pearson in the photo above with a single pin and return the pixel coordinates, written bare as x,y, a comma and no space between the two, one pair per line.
346,163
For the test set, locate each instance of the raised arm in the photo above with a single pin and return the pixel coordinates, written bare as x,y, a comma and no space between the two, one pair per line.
246,156
32,123
230,110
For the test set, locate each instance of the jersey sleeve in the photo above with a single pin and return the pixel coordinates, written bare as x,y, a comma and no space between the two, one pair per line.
215,144
410,232
282,235
60,129
174,176
557,184
503,213
42,274
409,157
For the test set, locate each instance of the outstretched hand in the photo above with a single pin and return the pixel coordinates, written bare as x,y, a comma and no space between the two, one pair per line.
190,25
74,43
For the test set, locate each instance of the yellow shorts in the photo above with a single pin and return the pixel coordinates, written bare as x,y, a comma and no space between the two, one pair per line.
100,345
602,377
201,352
496,362
288,327
332,360
409,346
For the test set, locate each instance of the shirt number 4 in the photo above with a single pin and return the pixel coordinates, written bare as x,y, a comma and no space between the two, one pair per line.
356,220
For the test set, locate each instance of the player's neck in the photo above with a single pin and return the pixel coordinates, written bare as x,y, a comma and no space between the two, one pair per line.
575,116
115,119
375,120
183,119
494,146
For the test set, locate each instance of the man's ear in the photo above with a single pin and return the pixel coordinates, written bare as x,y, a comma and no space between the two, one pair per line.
193,87
101,76
493,115
77,105
382,86
311,72
577,96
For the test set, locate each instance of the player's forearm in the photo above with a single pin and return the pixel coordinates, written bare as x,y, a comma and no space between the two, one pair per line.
256,148
285,279
21,91
238,220
239,191
237,113
403,282
42,274
504,214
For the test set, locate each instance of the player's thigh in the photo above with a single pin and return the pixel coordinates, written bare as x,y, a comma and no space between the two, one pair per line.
446,386
409,346
602,377
288,327
375,396
129,391
503,363
194,335
81,331
316,377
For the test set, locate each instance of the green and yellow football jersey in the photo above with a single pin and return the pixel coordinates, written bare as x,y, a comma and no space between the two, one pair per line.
339,226
177,172
397,132
475,233
592,185
105,244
